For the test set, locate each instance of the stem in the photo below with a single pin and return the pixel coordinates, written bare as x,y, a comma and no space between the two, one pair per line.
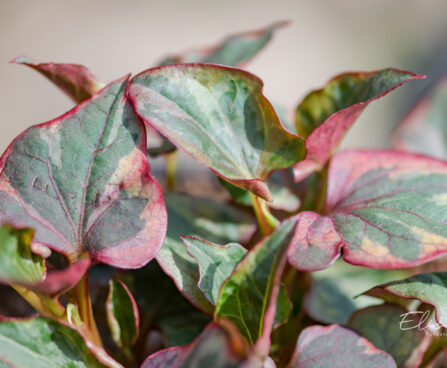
267,222
171,170
33,299
81,297
322,189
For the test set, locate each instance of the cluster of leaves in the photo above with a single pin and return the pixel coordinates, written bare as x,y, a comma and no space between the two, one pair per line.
123,273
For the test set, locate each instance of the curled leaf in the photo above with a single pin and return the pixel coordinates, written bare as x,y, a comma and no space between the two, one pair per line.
220,117
82,181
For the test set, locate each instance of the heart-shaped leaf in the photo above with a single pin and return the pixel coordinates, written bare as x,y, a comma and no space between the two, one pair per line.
248,297
386,209
75,80
45,343
215,347
18,264
82,181
429,288
424,129
381,325
219,116
325,115
337,347
204,218
234,50
122,314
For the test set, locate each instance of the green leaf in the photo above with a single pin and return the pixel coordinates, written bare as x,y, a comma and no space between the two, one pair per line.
325,115
337,347
233,51
385,209
82,181
219,116
215,347
122,314
200,217
75,80
424,129
17,263
381,325
44,343
246,297
429,288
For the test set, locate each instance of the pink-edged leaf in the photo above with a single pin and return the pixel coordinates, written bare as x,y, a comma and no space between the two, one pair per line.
388,208
220,117
424,129
428,288
82,181
75,80
122,314
337,347
234,50
215,347
325,115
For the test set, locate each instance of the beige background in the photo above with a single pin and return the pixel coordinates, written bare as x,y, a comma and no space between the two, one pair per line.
114,37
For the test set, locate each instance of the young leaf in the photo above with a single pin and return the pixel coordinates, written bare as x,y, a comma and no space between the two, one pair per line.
386,209
122,314
381,325
82,181
17,263
219,116
429,288
195,216
234,50
337,347
246,297
325,115
44,343
75,80
424,129
215,347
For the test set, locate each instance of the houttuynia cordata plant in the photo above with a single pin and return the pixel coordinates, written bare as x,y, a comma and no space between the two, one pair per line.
123,272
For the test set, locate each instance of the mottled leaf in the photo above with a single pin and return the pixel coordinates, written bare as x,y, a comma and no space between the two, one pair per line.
44,343
429,288
82,181
385,209
325,115
122,314
233,51
17,262
219,116
75,80
337,347
424,129
381,325
213,348
246,297
204,218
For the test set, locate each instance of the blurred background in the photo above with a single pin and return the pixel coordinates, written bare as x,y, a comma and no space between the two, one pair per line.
115,37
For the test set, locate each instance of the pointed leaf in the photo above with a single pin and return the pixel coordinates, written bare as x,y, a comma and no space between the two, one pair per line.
337,347
75,80
122,314
424,129
195,216
44,343
233,51
387,209
381,325
325,115
429,288
219,116
246,297
213,348
82,181
17,263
